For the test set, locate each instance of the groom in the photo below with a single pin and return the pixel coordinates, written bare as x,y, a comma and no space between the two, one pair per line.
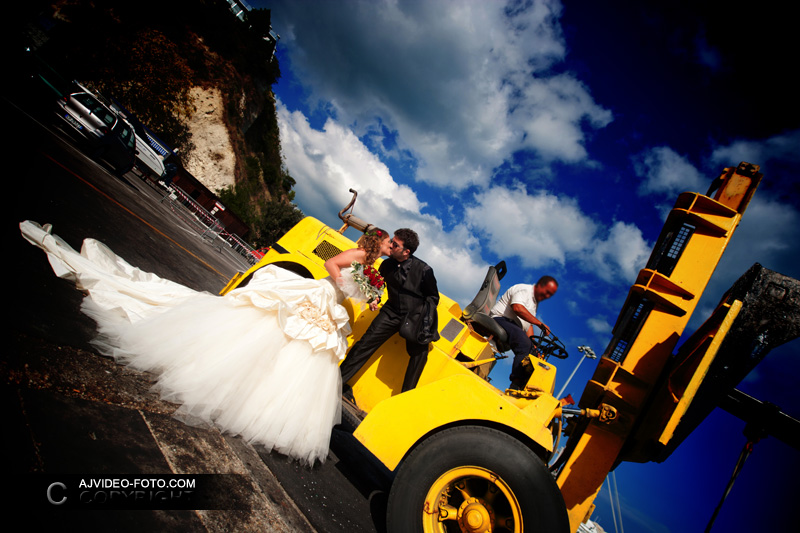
410,283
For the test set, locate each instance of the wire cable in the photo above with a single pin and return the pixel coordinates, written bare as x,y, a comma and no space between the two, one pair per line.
746,451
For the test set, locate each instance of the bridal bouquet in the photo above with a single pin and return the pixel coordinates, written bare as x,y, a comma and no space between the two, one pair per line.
369,281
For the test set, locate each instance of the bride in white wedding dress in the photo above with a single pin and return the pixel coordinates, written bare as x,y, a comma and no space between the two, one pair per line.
260,362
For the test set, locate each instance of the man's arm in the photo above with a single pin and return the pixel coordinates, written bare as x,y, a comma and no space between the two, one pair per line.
526,315
429,288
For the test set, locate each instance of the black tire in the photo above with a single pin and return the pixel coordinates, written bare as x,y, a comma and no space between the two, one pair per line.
474,475
300,270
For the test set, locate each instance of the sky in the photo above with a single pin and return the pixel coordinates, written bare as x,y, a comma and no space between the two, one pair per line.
556,136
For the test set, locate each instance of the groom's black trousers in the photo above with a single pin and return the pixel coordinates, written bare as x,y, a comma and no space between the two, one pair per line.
386,324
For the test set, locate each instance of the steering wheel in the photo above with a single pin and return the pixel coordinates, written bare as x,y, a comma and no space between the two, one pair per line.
549,345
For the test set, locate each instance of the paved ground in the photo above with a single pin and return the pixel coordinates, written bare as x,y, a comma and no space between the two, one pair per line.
69,411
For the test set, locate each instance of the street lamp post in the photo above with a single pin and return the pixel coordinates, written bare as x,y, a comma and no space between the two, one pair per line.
587,352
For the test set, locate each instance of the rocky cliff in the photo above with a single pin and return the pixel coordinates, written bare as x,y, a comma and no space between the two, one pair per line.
213,160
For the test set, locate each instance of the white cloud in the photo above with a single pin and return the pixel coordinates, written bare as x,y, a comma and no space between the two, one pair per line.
540,229
327,163
599,324
545,231
783,148
550,116
621,255
465,84
664,171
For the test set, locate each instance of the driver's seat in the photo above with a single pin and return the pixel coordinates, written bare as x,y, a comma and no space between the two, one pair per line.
476,314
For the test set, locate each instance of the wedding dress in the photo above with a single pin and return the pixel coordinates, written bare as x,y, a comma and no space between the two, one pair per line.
260,362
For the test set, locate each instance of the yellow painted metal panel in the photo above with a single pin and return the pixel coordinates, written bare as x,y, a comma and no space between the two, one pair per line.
688,394
396,424
656,311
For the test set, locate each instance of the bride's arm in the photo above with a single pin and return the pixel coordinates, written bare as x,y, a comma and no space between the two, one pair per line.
335,264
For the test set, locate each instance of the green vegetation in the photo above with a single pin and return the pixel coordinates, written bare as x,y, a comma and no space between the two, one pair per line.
272,218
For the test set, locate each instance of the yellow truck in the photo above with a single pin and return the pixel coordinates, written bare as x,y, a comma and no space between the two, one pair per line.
467,457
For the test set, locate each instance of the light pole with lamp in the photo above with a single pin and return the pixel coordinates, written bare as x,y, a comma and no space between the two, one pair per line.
587,352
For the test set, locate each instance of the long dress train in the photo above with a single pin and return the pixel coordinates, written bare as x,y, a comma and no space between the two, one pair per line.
260,362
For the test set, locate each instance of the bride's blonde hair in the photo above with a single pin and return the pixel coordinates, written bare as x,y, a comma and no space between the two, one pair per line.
370,242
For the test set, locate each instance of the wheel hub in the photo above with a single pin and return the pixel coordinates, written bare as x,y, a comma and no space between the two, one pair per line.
474,516
471,499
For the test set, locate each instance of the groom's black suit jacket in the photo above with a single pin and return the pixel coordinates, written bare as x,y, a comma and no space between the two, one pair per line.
409,284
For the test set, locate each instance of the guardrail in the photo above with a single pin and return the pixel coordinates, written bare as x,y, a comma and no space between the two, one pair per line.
202,221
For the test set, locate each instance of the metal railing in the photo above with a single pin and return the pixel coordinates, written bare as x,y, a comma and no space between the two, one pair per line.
204,223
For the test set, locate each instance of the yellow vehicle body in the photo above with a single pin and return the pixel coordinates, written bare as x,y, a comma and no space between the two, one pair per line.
658,307
469,457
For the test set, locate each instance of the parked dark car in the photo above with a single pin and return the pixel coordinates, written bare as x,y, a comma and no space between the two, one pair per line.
103,133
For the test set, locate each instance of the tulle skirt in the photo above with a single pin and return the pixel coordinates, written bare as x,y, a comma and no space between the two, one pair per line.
261,362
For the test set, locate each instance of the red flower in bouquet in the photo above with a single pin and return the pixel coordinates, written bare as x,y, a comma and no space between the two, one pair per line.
375,278
369,281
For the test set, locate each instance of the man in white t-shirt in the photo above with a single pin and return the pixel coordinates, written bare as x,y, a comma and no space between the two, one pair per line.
517,306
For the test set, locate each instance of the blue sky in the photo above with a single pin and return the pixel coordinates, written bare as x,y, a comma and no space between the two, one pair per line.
557,137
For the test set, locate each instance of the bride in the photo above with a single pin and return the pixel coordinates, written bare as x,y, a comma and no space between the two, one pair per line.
261,362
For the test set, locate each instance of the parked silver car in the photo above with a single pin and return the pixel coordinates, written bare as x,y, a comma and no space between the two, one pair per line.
102,132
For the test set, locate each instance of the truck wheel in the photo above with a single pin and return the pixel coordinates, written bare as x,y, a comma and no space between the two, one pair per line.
474,479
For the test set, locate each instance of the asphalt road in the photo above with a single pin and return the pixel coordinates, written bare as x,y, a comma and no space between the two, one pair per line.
53,182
